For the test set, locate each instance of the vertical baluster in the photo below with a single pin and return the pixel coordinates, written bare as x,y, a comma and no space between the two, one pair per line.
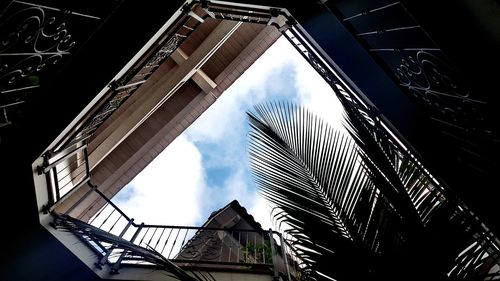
56,183
273,255
86,158
112,226
255,246
173,245
129,223
246,246
166,241
159,237
184,239
283,252
106,219
239,246
151,239
116,266
263,248
221,245
144,236
98,214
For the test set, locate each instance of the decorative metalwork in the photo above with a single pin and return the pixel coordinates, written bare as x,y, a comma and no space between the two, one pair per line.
476,254
164,51
106,111
118,240
206,245
391,148
119,95
434,83
138,74
98,238
462,120
32,40
364,111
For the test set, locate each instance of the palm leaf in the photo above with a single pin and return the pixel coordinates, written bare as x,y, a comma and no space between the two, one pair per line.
317,177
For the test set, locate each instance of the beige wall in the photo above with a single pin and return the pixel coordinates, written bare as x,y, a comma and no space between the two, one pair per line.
149,139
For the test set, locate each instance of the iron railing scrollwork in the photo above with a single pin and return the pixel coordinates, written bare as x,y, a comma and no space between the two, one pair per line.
99,118
479,249
461,116
164,51
436,85
121,89
35,40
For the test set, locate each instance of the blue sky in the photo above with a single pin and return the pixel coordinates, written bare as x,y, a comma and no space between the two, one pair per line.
206,167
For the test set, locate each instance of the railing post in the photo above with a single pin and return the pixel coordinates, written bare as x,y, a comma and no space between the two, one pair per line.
56,183
48,179
104,258
130,222
273,255
116,266
285,258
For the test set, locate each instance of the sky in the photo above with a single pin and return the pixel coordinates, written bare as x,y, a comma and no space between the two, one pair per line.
206,167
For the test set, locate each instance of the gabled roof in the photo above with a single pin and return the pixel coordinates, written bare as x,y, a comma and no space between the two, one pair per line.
242,212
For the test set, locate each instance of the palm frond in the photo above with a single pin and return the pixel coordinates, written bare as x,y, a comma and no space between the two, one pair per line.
318,178
362,198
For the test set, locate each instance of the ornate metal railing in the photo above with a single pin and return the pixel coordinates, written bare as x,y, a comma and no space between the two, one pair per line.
122,88
477,252
392,35
64,165
186,246
36,40
456,110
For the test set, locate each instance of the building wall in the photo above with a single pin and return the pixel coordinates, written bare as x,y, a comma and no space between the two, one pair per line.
149,139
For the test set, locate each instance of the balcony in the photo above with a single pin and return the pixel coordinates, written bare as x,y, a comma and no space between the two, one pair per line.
117,247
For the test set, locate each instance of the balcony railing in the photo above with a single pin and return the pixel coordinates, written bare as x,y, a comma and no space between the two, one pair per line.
118,241
65,172
65,163
199,248
125,84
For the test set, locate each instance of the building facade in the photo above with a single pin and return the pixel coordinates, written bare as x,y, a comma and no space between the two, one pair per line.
75,61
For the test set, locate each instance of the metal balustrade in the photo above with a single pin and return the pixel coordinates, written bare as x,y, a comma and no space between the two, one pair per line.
65,163
191,247
65,172
120,89
477,249
207,248
38,38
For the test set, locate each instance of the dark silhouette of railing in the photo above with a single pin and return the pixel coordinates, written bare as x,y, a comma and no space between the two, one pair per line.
264,251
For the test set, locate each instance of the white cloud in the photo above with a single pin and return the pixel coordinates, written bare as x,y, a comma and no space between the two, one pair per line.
171,188
252,87
315,94
261,211
168,190
311,90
